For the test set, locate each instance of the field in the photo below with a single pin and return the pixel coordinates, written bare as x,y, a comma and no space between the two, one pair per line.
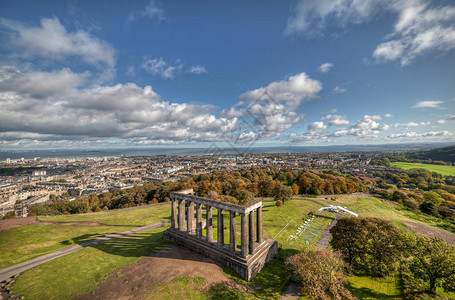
23,243
82,271
131,217
444,170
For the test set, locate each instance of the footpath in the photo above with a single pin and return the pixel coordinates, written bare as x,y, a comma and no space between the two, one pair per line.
7,273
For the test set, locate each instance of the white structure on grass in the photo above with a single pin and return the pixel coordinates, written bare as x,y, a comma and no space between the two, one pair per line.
337,209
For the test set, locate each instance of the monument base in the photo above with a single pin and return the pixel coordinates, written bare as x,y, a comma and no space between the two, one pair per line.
247,267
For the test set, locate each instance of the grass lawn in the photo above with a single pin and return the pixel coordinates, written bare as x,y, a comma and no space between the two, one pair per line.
444,170
364,287
81,271
23,243
134,217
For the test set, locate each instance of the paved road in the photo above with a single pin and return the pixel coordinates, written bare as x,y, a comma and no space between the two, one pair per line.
23,266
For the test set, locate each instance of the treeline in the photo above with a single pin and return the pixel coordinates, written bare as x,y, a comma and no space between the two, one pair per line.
430,195
377,248
440,156
239,187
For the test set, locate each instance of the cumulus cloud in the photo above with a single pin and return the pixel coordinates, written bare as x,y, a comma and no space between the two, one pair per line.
68,111
274,106
159,67
441,121
53,42
324,68
316,126
388,115
339,90
367,127
428,104
336,120
419,28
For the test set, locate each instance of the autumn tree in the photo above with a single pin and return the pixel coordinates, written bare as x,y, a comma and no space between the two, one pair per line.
321,273
295,189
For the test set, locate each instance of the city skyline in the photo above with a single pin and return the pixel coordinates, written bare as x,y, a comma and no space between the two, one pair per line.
155,73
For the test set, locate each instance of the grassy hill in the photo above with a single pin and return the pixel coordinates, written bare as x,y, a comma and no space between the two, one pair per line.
446,154
444,170
82,271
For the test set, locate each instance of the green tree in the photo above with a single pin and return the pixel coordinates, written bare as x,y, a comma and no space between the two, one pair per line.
281,192
371,245
321,274
432,262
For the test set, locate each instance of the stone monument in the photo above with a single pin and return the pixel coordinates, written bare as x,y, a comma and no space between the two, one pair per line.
187,230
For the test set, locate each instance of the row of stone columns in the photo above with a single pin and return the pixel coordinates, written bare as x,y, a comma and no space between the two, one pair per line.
248,224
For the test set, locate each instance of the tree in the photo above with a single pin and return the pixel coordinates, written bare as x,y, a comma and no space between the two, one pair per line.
369,244
281,192
432,262
295,189
321,274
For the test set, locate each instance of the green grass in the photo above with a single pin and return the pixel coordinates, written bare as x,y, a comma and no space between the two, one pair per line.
388,210
81,271
364,287
23,243
444,170
135,217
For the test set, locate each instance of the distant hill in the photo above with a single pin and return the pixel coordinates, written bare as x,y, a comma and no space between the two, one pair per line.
446,154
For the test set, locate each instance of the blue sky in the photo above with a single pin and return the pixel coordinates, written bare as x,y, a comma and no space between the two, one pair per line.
80,74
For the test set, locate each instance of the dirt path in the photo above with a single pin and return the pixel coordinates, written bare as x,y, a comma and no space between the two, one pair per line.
12,223
423,230
160,267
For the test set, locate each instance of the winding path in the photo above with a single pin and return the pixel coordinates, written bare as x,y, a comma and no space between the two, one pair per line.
26,265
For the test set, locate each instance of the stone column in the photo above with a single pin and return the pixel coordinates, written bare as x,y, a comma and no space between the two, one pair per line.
209,225
181,214
199,220
190,217
260,237
174,220
244,235
220,227
232,231
251,232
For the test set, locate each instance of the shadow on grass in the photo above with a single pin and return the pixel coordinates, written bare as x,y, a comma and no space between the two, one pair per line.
366,293
126,245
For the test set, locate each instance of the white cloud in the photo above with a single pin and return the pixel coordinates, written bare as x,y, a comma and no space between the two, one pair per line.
388,115
339,90
324,68
316,126
52,41
273,107
419,29
151,11
441,121
159,67
364,128
32,108
197,70
336,120
414,135
428,104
